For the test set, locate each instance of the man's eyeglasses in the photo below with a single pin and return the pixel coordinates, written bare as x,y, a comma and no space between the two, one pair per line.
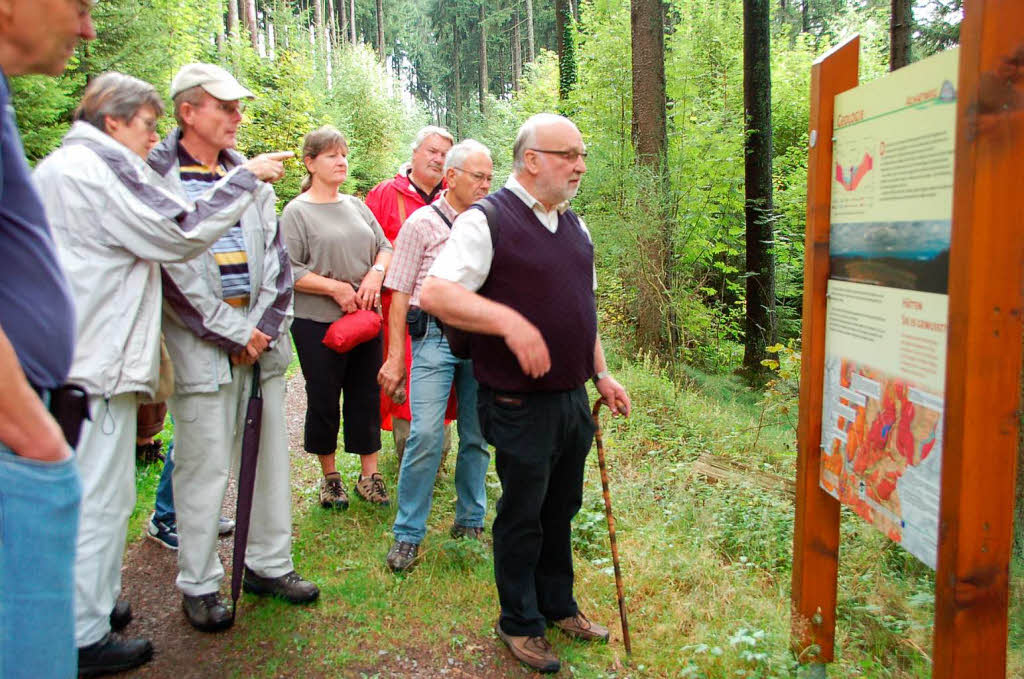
570,155
475,176
231,107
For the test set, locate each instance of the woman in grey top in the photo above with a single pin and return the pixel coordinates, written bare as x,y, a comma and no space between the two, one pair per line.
339,256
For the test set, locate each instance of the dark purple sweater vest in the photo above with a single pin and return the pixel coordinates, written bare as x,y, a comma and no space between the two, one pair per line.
549,279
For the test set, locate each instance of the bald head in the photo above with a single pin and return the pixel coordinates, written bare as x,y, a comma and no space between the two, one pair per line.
548,158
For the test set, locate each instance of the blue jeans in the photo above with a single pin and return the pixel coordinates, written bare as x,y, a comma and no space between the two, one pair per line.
434,370
39,505
165,490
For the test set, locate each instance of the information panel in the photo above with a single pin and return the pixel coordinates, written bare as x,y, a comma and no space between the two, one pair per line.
887,310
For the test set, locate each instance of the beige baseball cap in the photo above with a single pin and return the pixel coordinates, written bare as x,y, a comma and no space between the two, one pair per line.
217,82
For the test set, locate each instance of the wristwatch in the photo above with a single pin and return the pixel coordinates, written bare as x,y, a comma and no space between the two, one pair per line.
600,376
377,267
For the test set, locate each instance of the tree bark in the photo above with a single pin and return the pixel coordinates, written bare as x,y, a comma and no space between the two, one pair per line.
332,25
352,19
900,20
531,51
342,22
380,29
760,265
805,17
483,60
517,51
250,24
318,23
565,48
653,276
457,74
232,21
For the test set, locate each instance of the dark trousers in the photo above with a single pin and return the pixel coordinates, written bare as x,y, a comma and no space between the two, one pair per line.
328,374
541,442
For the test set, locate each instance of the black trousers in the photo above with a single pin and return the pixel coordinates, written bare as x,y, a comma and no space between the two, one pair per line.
328,374
541,442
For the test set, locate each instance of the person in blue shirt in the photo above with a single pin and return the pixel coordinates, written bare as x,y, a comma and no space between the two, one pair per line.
40,490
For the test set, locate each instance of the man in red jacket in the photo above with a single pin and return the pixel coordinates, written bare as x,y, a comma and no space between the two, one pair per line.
417,183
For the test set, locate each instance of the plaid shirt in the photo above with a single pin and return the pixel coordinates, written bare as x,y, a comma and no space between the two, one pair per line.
418,244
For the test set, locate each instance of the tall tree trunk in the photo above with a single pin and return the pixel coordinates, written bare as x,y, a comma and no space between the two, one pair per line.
250,24
531,50
318,23
380,30
653,274
483,60
900,21
352,19
342,22
757,107
232,21
517,51
457,75
332,25
805,17
565,48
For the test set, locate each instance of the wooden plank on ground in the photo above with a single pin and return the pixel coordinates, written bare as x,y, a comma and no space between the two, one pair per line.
718,468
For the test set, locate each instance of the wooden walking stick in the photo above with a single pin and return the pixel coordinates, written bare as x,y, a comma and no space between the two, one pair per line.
611,526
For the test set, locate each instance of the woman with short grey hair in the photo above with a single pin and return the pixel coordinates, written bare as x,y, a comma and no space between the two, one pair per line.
114,225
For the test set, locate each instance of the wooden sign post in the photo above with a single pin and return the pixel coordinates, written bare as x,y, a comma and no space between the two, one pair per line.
981,409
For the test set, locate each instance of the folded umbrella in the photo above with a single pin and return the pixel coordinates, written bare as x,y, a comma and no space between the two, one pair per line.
246,481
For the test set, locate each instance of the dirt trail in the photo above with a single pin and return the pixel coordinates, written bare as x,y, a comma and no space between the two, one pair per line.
185,653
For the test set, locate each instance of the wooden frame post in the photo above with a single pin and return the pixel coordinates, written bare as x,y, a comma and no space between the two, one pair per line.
816,530
986,305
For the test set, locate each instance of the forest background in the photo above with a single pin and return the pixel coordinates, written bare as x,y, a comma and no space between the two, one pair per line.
672,235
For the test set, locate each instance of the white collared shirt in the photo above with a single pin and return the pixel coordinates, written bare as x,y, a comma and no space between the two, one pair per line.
466,257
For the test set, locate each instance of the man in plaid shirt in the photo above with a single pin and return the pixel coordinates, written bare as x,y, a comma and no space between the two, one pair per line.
468,171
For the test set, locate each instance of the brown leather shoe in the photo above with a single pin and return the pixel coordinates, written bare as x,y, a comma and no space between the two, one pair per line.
535,652
207,613
580,627
291,587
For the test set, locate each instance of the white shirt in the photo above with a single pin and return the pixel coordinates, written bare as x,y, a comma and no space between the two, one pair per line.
466,257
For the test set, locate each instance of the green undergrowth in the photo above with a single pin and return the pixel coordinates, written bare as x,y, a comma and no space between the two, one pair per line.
706,566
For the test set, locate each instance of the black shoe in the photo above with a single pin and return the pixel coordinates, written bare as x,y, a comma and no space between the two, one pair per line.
109,655
120,616
290,587
207,613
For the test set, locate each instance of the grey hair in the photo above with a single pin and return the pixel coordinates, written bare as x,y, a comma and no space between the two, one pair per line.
193,96
527,136
116,95
457,154
429,131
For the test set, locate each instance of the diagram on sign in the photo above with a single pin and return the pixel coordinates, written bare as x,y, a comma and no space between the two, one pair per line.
877,456
849,177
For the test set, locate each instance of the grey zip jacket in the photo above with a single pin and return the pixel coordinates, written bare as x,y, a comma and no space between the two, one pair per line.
200,328
113,225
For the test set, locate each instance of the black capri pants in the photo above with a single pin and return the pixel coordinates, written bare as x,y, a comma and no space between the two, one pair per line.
330,374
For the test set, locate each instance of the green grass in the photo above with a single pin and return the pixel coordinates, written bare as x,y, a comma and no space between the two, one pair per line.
706,566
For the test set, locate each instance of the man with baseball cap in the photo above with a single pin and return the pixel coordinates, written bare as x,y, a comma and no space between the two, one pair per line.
225,312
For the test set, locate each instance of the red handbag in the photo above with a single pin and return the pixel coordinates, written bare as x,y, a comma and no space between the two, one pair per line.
352,329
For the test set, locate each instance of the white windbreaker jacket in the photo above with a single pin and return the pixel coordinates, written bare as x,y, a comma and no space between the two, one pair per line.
200,328
114,223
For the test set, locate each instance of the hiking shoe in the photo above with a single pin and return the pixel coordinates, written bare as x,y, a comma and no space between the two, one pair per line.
164,534
471,532
580,627
148,453
110,654
332,493
290,587
225,526
401,556
372,489
121,615
207,613
534,652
